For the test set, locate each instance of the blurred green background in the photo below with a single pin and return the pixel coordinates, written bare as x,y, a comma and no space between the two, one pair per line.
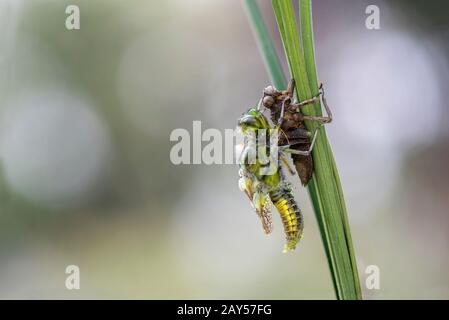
85,174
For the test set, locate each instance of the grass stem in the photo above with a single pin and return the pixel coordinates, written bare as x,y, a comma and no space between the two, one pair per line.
325,188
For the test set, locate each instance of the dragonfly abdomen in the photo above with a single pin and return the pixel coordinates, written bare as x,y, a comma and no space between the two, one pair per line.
290,213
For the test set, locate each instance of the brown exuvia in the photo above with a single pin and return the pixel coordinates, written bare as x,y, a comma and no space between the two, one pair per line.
287,114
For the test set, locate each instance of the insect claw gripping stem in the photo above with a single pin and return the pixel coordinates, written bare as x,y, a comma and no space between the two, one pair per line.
326,106
321,119
320,95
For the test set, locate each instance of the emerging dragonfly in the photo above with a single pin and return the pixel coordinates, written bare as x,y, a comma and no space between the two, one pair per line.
264,181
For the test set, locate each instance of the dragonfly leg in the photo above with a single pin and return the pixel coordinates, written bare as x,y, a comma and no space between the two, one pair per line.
320,95
287,165
281,117
290,88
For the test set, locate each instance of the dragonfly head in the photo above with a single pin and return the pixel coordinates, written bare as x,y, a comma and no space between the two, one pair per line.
252,120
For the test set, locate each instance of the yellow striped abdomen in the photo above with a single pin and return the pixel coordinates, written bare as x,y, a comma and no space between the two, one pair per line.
291,215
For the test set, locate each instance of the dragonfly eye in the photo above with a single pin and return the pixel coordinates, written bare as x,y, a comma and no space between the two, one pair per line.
248,121
268,101
269,90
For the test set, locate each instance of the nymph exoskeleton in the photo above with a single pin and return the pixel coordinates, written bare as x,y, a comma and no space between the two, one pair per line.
288,115
264,181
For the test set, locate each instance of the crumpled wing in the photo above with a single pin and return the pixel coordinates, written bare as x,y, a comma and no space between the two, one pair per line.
259,201
262,205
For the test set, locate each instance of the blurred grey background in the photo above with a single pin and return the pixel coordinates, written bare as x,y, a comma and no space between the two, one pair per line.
85,174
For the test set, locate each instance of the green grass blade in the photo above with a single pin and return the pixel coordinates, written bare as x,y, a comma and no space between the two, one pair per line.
265,44
285,17
324,188
338,239
278,79
309,57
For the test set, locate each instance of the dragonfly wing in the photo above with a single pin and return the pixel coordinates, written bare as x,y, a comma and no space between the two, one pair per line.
262,205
